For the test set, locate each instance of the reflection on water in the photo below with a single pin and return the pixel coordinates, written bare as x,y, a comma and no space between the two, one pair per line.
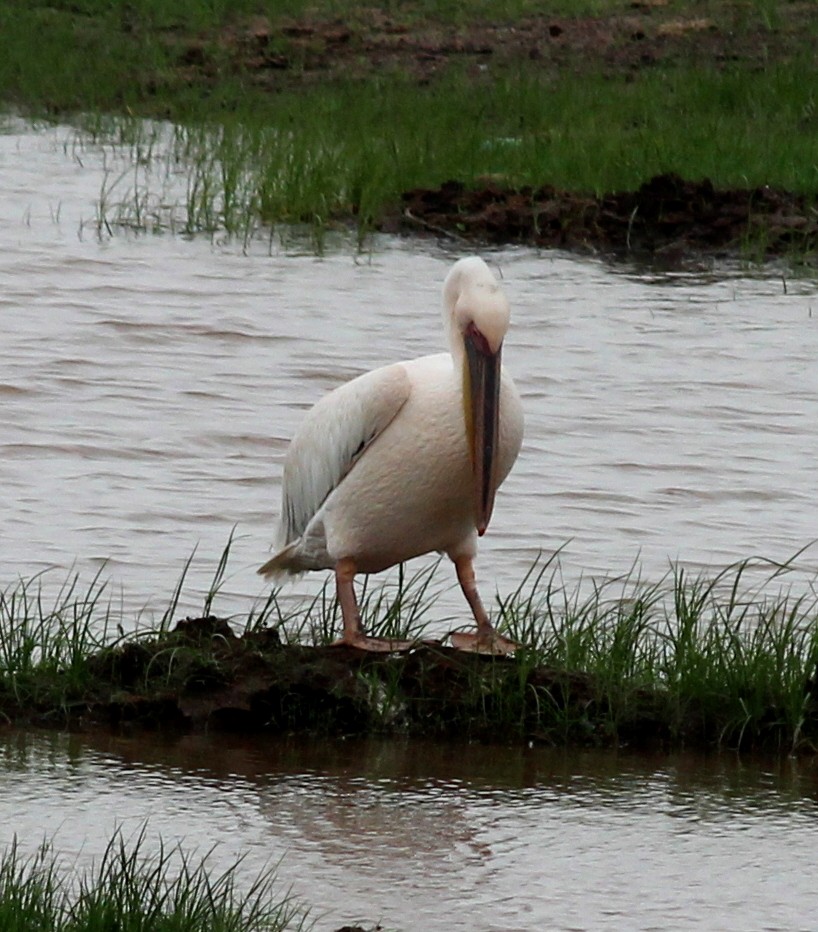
149,385
438,837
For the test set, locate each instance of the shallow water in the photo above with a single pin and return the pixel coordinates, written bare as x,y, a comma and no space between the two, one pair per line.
148,385
443,838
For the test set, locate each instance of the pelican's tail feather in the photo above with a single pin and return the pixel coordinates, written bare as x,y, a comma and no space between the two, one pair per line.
283,563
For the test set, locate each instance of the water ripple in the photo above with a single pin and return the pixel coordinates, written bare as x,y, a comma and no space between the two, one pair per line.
149,386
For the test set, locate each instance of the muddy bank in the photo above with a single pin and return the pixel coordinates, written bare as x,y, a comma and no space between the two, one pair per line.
202,676
668,218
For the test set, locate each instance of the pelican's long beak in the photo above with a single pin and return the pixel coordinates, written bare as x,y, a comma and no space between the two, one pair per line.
482,403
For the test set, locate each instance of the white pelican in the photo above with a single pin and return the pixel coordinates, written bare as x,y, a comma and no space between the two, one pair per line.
406,459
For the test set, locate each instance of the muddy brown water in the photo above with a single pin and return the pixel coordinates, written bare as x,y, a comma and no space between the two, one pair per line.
436,838
148,385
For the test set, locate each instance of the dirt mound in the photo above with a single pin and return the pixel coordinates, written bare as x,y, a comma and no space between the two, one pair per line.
202,676
666,217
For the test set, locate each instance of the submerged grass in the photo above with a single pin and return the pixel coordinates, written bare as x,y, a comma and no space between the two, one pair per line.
706,661
165,891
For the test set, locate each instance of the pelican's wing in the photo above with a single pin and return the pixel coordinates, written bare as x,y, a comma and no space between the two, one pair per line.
333,436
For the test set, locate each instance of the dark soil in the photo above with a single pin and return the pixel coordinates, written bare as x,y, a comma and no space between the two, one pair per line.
202,676
668,218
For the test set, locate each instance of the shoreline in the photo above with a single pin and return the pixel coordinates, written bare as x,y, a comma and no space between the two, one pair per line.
667,219
201,676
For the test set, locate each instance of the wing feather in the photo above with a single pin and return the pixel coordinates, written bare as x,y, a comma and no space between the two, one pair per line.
333,436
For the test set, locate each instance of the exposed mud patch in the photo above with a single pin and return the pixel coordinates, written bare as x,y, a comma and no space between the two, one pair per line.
203,676
668,218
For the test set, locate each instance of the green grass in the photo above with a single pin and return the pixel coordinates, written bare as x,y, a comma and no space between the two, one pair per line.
343,150
316,161
131,889
707,661
45,645
715,658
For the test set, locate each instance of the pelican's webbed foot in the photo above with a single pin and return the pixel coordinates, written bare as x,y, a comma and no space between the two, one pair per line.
361,641
483,642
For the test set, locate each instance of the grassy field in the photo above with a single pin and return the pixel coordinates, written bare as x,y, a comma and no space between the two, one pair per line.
316,114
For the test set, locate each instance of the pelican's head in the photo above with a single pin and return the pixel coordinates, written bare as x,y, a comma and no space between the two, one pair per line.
477,317
472,298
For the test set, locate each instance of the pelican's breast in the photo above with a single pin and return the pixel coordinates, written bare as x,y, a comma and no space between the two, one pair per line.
411,492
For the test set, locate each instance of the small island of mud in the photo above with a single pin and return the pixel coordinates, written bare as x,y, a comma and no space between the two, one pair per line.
202,676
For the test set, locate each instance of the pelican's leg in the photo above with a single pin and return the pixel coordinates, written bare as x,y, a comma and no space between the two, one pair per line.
486,640
354,635
344,585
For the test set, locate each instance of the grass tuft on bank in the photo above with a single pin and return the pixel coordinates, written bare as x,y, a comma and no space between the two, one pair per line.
703,661
134,889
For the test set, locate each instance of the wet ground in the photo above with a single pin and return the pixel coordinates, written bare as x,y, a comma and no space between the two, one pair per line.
667,218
